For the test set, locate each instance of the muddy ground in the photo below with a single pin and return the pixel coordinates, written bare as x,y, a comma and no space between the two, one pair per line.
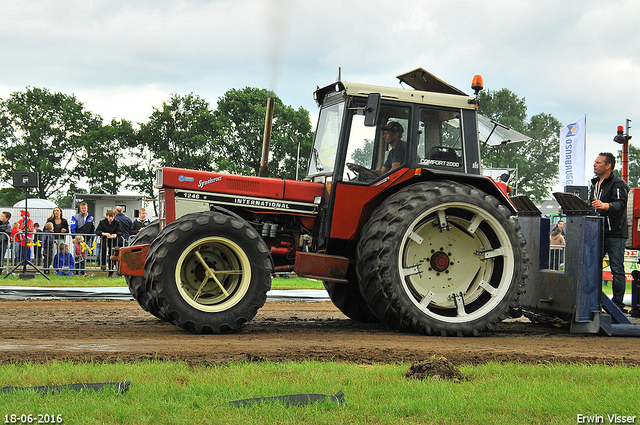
36,330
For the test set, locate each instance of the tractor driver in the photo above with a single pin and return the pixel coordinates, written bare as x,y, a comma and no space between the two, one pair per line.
392,134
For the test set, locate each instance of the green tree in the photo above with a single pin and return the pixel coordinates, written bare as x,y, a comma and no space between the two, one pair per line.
178,134
66,200
363,155
102,161
537,159
239,122
41,131
10,195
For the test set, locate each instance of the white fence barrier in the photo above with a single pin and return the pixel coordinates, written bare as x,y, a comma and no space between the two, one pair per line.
556,257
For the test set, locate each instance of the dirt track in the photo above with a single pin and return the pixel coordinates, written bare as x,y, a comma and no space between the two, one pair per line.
109,330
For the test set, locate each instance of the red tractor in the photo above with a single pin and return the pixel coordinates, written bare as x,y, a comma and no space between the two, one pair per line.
420,242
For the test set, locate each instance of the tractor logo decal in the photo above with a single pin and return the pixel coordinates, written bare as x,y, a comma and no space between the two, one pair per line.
440,163
185,179
257,203
263,203
203,183
386,179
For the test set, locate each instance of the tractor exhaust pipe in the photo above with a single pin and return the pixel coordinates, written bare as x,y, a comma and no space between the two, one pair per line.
268,122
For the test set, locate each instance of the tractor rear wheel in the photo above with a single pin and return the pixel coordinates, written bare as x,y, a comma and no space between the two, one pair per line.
441,258
209,272
348,299
136,283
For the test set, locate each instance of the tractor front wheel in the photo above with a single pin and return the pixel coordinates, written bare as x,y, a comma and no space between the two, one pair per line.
209,272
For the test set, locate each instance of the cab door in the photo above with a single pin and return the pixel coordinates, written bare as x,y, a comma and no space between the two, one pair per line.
358,190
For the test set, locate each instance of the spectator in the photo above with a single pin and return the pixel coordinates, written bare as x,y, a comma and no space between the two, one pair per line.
15,243
609,194
560,226
26,216
556,242
5,234
125,224
37,244
83,222
24,236
63,261
140,223
109,230
80,256
60,224
47,246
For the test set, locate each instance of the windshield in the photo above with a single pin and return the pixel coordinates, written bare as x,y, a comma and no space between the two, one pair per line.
325,146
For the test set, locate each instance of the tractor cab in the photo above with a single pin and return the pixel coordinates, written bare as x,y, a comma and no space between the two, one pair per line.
438,130
435,131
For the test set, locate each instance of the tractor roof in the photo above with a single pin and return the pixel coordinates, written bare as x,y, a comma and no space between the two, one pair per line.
429,90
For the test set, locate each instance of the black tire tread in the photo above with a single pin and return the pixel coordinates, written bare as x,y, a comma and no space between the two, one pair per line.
378,245
348,299
136,284
160,280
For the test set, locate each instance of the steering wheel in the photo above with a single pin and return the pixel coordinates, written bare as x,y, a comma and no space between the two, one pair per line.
362,171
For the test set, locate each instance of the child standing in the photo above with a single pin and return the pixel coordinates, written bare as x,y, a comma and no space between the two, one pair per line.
47,246
37,245
15,242
80,255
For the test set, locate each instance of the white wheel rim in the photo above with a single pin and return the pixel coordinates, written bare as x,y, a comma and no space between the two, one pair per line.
219,285
473,258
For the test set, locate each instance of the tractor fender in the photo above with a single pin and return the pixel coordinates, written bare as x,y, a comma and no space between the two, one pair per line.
236,216
484,183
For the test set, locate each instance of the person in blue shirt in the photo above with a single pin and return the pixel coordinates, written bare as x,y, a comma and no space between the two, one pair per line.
125,225
83,222
63,261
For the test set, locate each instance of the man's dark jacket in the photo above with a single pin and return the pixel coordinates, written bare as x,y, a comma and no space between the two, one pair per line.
613,191
125,225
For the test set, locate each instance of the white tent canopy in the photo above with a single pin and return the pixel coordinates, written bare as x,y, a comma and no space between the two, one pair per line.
35,203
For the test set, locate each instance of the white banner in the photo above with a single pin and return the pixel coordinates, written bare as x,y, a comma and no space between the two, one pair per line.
573,142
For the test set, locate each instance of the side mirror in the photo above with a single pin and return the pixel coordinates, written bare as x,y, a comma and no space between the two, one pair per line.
372,109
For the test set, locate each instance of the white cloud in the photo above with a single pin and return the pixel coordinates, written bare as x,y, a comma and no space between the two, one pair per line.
121,59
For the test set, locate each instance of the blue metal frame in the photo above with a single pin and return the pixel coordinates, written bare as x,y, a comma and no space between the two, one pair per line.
574,294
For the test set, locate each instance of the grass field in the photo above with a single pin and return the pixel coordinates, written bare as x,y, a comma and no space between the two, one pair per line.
101,280
174,393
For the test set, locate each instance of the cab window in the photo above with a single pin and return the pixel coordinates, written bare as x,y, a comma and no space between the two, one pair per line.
369,152
440,138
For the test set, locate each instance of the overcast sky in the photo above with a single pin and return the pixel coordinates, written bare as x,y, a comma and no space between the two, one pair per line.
566,58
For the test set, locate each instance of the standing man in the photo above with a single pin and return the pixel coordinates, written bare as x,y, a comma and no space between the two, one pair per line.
560,226
82,223
110,231
609,197
125,225
141,222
